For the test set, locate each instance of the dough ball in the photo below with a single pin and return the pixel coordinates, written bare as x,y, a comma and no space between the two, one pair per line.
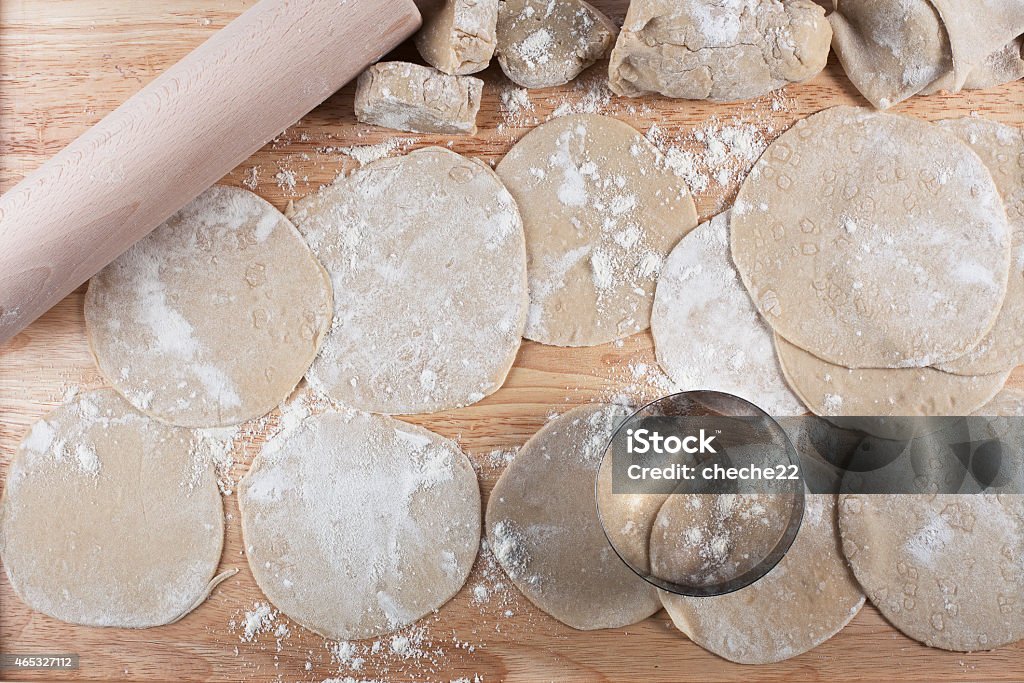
873,240
944,569
460,37
416,98
428,261
601,212
213,318
805,600
356,525
111,518
707,333
543,526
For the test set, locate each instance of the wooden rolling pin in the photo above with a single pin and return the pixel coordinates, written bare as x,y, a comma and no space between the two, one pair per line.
180,134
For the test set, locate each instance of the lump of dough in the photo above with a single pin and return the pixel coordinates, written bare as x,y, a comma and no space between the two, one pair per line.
427,255
724,50
356,525
542,43
213,318
977,31
417,99
543,526
111,518
460,37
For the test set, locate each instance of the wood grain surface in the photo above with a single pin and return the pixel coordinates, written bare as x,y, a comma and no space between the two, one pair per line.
65,63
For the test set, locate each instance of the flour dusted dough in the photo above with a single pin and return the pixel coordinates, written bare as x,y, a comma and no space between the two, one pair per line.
428,261
724,51
1007,403
418,99
460,37
873,240
213,318
110,518
707,332
543,526
356,525
805,600
542,43
601,213
1001,147
944,569
977,31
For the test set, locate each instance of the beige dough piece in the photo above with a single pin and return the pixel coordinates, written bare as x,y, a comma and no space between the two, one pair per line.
460,37
418,99
428,261
1007,403
111,518
1001,147
977,30
943,569
213,318
707,332
356,525
831,390
805,600
543,526
873,240
713,50
542,43
601,213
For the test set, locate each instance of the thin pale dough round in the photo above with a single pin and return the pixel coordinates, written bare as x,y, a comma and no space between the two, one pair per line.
601,213
213,318
803,601
1007,403
109,517
428,260
873,240
1001,147
943,569
356,525
543,526
707,332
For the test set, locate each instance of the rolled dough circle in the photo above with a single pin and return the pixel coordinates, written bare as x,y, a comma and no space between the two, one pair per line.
601,212
543,526
428,261
873,240
356,525
707,332
943,569
214,317
805,600
109,517
1007,403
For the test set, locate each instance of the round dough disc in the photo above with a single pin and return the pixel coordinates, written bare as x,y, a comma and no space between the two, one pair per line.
356,525
1007,403
873,240
601,213
1001,147
428,261
110,518
213,318
707,332
944,569
803,601
543,526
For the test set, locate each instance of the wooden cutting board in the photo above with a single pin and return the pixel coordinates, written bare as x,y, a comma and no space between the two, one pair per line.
65,63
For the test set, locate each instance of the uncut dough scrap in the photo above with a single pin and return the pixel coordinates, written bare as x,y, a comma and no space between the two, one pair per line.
601,213
356,525
428,261
460,37
707,333
873,240
803,601
719,50
945,570
110,518
542,43
213,318
1001,147
417,99
543,527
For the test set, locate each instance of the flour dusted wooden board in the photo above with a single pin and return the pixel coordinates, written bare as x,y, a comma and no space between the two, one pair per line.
64,64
